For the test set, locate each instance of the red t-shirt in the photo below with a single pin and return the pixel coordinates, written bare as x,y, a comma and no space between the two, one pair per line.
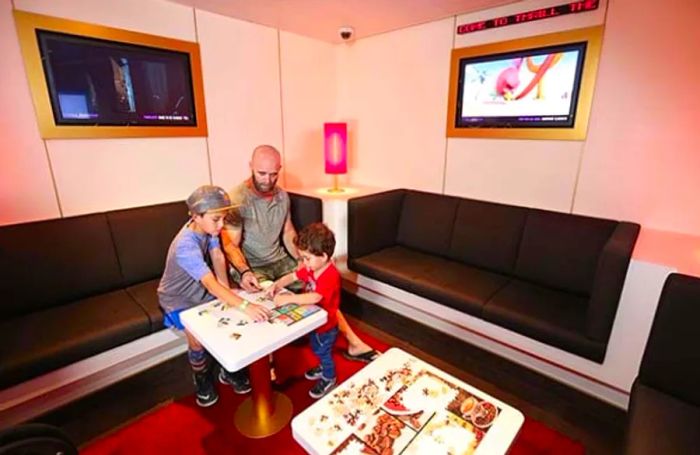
328,285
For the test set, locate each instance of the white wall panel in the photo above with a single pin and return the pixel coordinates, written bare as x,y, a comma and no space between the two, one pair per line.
147,16
528,173
240,62
642,157
393,93
536,173
26,188
98,175
309,89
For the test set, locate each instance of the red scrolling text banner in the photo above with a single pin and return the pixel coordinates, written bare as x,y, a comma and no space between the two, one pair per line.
529,16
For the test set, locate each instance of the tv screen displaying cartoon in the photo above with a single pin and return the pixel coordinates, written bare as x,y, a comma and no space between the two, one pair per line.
532,88
98,82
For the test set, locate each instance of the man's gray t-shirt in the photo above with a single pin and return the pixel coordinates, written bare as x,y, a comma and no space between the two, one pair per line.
187,263
263,219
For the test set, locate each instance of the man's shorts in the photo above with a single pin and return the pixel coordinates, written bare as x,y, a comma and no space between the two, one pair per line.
273,271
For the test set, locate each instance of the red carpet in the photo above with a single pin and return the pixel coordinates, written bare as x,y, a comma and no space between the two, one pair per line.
183,428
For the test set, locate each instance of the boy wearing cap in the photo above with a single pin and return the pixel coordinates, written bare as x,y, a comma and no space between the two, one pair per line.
188,280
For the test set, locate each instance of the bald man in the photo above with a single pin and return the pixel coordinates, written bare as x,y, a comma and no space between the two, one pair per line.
251,236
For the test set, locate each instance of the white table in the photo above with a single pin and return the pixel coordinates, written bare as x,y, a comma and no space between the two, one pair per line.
235,342
400,404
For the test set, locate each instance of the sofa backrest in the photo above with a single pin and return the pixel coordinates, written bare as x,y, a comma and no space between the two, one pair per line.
562,250
373,222
47,263
305,210
671,362
142,236
426,222
487,235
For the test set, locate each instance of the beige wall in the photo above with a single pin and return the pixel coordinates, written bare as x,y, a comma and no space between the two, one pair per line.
393,94
240,66
26,187
309,92
642,157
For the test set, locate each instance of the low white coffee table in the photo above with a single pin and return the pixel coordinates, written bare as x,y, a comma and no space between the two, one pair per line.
236,342
401,404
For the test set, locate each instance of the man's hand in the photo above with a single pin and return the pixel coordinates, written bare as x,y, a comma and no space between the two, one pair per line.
249,282
257,313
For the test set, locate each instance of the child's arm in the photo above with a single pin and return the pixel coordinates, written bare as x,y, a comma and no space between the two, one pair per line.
306,298
218,262
215,288
280,284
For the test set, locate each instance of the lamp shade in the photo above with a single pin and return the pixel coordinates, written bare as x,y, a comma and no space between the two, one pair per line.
335,147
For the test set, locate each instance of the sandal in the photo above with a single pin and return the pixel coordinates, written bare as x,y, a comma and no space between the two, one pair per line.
365,357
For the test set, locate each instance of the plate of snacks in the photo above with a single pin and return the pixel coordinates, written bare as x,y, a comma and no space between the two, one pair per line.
483,414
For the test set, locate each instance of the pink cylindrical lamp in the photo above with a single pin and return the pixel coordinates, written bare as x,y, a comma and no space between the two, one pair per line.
335,147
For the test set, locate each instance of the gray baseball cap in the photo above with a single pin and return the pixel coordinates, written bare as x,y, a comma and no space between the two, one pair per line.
208,198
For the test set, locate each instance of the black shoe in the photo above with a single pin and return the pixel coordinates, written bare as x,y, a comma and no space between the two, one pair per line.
206,392
322,387
206,400
314,373
238,381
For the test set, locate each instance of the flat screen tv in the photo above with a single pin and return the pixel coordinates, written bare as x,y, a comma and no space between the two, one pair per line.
538,87
93,81
99,82
532,88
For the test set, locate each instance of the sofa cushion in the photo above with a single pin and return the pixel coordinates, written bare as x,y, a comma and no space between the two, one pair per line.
146,295
553,317
46,264
659,423
45,340
426,222
487,235
142,236
451,283
561,250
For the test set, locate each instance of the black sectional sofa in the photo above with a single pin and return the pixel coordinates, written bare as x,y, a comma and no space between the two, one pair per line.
664,412
74,287
551,276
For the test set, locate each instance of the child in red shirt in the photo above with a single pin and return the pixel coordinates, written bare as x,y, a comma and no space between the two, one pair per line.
321,279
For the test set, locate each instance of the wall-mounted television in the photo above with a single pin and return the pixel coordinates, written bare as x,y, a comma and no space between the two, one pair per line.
538,87
98,82
94,81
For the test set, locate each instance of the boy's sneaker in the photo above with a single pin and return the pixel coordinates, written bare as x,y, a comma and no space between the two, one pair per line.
204,400
238,381
314,373
322,387
206,392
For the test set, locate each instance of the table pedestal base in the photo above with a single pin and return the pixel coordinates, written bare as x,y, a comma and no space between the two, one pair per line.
265,412
257,427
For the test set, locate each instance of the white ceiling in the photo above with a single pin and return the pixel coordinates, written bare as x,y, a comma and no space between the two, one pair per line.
321,19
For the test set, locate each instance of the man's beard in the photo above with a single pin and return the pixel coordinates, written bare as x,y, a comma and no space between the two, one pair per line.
261,188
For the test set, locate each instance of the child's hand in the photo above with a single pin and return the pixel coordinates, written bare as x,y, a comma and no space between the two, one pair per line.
282,298
257,313
271,290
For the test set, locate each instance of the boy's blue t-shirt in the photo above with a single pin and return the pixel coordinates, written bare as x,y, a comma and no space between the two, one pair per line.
187,263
